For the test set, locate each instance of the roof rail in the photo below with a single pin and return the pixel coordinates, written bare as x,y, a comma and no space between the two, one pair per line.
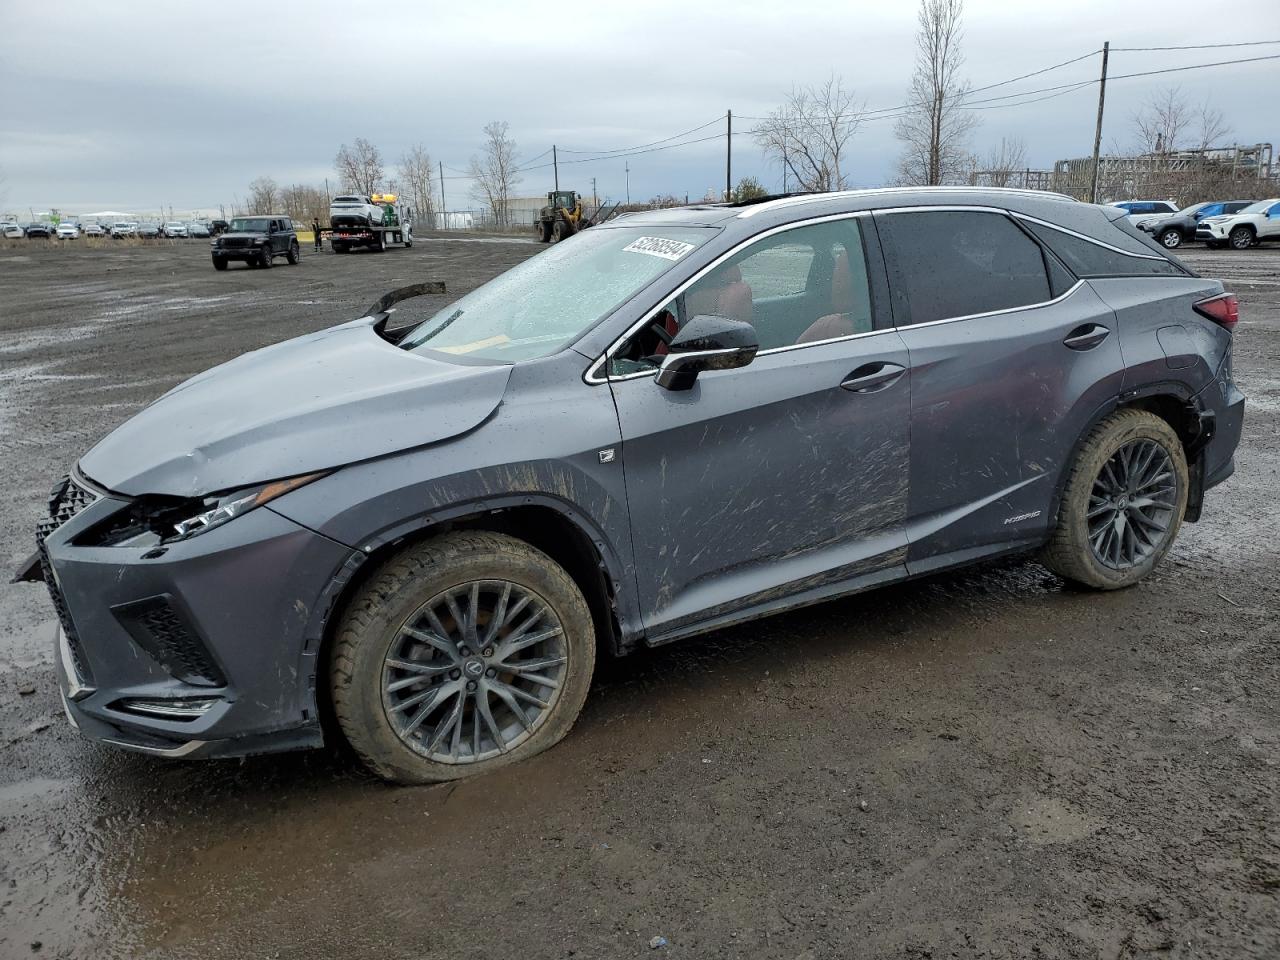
792,200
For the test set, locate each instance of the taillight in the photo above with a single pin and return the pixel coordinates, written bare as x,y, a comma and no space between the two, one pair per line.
1224,310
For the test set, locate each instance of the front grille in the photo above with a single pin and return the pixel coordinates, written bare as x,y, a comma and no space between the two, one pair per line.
164,634
66,499
236,243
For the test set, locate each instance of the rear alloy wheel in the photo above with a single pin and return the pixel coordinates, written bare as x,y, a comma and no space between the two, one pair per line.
1123,503
465,653
1241,238
294,254
1171,239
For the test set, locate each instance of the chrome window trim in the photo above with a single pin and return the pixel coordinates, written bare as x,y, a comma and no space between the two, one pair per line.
995,313
1085,237
594,376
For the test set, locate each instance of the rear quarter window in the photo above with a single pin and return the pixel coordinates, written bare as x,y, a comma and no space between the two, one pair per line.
1088,259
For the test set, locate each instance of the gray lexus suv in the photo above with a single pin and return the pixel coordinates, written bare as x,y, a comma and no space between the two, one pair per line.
425,528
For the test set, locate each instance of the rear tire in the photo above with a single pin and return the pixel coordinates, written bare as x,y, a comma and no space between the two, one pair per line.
558,231
1171,239
401,669
1241,238
1123,503
295,253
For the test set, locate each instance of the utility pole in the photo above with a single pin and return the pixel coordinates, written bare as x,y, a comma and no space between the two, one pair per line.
627,165
728,157
555,165
1097,133
444,210
594,200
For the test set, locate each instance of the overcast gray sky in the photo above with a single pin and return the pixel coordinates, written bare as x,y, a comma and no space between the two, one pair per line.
140,104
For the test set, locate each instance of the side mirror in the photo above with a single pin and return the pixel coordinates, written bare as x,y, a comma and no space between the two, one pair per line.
707,343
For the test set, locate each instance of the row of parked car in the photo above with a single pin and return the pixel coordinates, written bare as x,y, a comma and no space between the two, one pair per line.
1238,224
69,230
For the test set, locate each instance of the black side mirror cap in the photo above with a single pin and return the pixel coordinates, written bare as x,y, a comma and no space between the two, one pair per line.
707,342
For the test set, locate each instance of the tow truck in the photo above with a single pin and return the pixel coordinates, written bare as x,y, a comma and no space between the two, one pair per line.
375,222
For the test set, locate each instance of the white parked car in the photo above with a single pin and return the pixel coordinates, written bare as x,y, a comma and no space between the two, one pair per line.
1255,223
1145,210
1140,210
174,229
67,231
11,231
355,211
94,230
124,229
197,229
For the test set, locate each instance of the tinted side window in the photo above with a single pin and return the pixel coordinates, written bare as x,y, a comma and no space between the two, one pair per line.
1087,259
1212,210
800,286
952,263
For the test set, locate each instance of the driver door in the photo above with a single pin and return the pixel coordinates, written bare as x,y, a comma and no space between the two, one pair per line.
787,476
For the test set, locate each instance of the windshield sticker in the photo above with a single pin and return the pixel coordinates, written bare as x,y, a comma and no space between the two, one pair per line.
658,247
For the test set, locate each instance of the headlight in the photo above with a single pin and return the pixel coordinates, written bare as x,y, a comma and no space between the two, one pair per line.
220,509
259,240
156,520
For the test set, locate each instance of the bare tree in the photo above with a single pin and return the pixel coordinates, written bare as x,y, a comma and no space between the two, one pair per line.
360,167
495,172
1001,165
934,128
263,194
415,172
1210,126
303,203
808,134
1167,122
1162,122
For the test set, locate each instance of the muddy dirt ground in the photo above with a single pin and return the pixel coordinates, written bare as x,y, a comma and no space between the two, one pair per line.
982,764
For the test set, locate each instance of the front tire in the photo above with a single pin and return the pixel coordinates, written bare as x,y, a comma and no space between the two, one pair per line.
1123,503
460,655
1241,238
219,263
265,262
1171,239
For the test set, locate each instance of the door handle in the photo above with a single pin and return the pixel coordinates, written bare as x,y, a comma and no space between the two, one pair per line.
1087,336
873,377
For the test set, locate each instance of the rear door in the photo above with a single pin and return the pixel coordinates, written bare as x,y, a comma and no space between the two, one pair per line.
1011,357
783,477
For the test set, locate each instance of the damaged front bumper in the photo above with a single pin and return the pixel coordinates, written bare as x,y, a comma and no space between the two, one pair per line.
204,647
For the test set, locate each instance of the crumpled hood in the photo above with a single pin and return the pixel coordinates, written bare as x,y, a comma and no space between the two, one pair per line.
319,401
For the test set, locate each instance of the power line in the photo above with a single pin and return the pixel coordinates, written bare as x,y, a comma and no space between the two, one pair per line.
641,146
1036,73
1197,46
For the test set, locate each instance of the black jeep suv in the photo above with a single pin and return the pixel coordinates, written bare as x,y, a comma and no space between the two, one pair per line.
257,240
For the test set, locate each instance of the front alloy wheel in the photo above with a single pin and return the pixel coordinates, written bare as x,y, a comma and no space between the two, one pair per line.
474,672
1171,239
1241,238
459,655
